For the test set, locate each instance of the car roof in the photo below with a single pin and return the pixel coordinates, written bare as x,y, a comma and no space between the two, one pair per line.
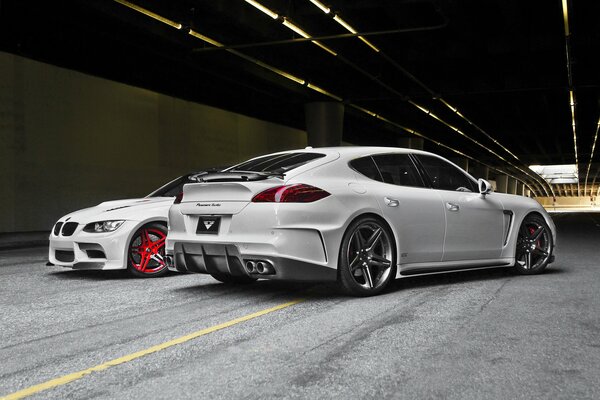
353,151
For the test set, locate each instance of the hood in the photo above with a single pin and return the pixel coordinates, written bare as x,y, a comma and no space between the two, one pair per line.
128,209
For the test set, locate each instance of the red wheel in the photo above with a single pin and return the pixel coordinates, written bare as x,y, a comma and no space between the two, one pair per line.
146,254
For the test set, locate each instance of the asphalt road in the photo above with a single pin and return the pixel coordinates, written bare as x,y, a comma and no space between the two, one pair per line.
470,335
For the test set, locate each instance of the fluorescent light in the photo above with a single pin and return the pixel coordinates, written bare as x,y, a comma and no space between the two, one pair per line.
565,9
290,25
343,23
205,38
150,14
327,49
323,91
322,6
371,45
263,8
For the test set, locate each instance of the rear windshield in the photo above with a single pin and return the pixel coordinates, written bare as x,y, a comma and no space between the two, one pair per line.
277,162
174,187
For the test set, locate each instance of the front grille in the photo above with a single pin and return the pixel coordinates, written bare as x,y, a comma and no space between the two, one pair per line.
65,255
57,228
69,228
95,254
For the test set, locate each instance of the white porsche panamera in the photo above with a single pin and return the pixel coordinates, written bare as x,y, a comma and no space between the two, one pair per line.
359,215
122,234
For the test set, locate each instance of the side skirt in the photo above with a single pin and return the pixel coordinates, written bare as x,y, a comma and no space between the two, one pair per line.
442,268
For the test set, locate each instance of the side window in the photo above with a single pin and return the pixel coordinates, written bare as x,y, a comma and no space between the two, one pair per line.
446,176
398,169
367,167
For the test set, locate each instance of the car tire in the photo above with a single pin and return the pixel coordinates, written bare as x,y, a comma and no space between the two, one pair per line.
146,252
534,246
233,279
367,261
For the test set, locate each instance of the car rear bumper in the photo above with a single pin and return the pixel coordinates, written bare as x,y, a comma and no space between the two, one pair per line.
227,259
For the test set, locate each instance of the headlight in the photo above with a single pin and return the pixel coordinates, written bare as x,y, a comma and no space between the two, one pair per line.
103,226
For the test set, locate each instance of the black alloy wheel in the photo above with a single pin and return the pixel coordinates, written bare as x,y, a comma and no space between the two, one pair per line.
534,246
367,261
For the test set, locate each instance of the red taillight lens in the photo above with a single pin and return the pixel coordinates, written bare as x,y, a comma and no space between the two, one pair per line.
178,198
299,193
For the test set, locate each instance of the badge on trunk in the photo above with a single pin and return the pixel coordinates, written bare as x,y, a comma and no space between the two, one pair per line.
208,225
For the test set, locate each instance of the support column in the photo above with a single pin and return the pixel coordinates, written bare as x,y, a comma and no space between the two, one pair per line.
479,171
502,183
511,186
520,189
324,123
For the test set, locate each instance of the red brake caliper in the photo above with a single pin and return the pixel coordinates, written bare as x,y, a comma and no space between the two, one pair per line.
149,250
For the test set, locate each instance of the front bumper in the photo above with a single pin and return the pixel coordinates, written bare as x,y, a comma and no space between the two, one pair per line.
227,259
83,250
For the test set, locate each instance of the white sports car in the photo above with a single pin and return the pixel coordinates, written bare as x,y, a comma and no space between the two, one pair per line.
359,215
122,234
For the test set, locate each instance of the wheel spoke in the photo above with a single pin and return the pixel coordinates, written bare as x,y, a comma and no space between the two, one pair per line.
528,260
144,262
368,278
159,243
540,252
360,241
537,233
158,258
355,264
373,239
379,261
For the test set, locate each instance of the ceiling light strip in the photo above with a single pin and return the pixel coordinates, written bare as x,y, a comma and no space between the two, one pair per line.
263,9
322,6
455,129
572,103
416,133
587,174
150,14
349,28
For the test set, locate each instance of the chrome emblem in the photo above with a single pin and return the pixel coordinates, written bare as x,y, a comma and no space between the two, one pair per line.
208,224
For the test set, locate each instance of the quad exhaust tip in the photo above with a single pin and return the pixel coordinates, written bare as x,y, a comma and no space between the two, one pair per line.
261,267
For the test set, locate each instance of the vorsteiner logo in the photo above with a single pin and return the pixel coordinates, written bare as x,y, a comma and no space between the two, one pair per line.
208,224
208,204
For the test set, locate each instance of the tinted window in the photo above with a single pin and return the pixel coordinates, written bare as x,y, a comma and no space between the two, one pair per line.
398,169
446,176
277,163
367,167
172,188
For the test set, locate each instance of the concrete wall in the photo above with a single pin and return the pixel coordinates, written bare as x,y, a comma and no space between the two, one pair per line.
69,140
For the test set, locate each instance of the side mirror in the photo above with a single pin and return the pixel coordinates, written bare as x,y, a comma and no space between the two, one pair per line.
484,186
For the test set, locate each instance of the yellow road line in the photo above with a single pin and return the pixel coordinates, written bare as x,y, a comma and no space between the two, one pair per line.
63,380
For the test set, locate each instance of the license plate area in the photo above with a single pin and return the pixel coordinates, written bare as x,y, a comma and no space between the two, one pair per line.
208,225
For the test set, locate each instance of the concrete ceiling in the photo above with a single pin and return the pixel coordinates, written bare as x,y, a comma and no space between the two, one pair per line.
501,63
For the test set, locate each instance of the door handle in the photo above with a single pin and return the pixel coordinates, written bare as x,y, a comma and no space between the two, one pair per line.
391,202
452,207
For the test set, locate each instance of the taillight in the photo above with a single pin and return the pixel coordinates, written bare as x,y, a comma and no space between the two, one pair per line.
178,198
299,193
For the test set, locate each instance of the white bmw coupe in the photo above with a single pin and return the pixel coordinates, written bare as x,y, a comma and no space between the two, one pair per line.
359,215
122,234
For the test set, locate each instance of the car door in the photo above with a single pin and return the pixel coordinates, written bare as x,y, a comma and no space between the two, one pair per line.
474,223
416,212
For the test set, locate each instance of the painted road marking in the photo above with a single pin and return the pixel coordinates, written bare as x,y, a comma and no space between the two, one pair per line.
63,380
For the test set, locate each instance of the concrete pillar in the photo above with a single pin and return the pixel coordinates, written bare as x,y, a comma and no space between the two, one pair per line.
411,143
511,186
520,189
502,183
324,123
479,171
